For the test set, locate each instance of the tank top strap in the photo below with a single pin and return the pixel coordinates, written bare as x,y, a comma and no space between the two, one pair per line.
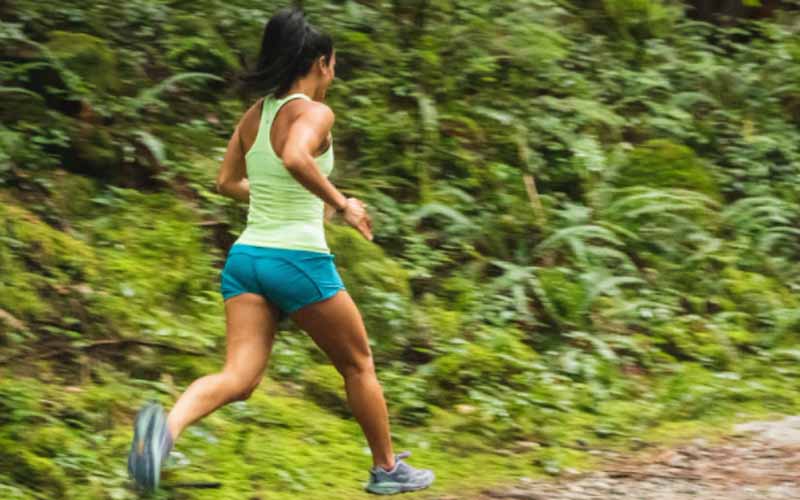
269,108
271,105
291,96
283,100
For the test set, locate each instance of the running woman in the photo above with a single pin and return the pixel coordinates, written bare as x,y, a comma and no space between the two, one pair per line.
278,160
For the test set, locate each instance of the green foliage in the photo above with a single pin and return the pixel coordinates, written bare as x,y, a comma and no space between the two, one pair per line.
37,259
562,294
660,163
324,385
137,234
96,151
755,293
691,338
150,96
39,473
641,19
488,359
650,276
202,51
378,284
88,56
407,395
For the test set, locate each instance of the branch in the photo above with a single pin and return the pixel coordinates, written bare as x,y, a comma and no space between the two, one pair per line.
101,343
533,195
148,343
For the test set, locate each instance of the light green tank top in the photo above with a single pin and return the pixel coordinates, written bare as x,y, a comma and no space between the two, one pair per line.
282,212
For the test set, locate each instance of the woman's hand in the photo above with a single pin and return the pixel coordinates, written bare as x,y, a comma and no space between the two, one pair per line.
356,215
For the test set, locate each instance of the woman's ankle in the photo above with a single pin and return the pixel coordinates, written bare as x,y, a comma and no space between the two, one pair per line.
386,464
174,428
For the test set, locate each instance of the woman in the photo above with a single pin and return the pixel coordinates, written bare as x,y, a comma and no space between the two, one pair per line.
278,160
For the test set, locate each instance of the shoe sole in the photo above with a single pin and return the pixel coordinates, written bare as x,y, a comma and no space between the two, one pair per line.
158,427
137,445
138,466
395,488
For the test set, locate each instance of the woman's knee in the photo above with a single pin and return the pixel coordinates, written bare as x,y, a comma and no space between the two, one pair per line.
360,367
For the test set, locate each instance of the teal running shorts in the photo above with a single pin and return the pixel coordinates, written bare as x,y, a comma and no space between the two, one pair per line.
288,278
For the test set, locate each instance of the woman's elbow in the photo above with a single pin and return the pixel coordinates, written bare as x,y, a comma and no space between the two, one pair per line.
223,186
293,160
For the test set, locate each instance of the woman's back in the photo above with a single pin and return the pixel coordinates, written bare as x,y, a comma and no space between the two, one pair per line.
282,212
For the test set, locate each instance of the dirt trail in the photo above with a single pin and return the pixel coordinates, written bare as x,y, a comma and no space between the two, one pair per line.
760,461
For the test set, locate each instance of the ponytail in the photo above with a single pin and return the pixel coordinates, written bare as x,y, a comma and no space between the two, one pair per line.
289,47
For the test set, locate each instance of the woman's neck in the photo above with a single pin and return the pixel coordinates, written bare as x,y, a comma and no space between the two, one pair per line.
308,88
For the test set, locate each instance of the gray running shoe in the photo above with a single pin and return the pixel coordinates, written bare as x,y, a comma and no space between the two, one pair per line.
151,445
399,480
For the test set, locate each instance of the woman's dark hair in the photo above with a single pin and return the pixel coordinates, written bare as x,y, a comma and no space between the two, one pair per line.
289,47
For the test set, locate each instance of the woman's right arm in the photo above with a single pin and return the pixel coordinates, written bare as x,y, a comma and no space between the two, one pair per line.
232,178
306,135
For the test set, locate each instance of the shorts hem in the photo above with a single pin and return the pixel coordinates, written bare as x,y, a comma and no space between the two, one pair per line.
234,294
318,299
282,314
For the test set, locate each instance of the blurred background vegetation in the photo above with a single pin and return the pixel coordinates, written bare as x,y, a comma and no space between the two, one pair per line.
586,229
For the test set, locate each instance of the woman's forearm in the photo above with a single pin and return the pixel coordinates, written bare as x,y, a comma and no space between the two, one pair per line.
239,190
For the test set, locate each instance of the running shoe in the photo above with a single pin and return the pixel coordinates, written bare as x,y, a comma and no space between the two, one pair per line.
150,447
401,479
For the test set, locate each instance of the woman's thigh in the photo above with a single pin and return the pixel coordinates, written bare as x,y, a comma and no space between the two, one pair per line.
251,322
336,326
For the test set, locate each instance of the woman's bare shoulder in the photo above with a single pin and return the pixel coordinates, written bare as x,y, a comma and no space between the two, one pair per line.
318,112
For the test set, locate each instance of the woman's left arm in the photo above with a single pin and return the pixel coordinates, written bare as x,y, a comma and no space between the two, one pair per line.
232,179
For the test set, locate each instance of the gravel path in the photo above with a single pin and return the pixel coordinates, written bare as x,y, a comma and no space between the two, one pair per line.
761,461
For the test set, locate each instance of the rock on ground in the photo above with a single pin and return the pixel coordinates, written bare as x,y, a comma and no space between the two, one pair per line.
761,461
